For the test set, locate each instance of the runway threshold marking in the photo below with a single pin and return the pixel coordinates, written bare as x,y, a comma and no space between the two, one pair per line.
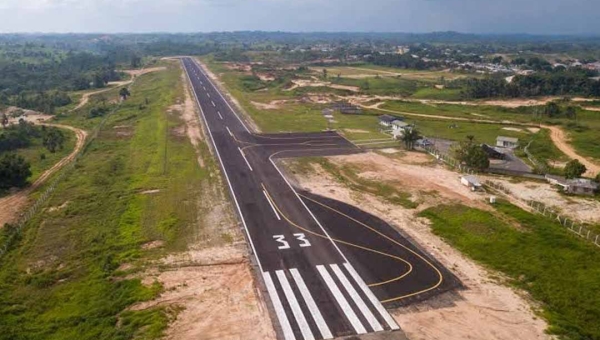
295,306
378,306
244,156
288,333
396,242
312,306
341,300
366,312
268,197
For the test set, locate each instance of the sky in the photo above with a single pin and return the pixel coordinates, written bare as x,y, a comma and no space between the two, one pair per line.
469,16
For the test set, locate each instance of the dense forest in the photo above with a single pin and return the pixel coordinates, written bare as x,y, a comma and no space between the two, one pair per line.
560,83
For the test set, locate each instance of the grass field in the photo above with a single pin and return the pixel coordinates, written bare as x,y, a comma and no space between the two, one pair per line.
537,255
64,279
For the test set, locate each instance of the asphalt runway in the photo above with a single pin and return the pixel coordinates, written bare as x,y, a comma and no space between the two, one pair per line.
330,269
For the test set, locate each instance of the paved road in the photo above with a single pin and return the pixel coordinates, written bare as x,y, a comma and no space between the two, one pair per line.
328,268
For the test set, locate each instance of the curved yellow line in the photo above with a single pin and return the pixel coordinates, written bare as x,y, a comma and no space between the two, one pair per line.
394,241
340,241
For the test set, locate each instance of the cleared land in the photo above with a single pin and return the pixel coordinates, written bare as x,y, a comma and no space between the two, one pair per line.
99,247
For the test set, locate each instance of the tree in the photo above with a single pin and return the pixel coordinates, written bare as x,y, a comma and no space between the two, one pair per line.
136,61
574,169
551,109
597,179
53,139
472,155
409,138
571,112
14,171
4,120
124,93
324,73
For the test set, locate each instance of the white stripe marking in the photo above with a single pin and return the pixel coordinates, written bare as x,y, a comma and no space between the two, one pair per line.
271,204
288,334
298,315
219,112
204,88
356,298
341,300
230,133
208,94
212,139
312,306
243,155
213,103
382,311
221,95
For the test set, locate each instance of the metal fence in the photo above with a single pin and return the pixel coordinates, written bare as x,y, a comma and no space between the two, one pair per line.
449,160
17,228
541,208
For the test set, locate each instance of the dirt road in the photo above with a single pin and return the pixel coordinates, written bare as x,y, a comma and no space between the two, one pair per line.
560,139
85,98
11,205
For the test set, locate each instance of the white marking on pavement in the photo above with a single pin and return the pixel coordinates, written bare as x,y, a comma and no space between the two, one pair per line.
382,311
291,298
230,133
357,299
341,300
237,205
208,94
312,306
271,204
243,155
288,334
213,103
221,95
219,112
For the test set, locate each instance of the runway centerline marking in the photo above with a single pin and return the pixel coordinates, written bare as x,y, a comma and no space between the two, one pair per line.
230,133
268,197
220,116
243,155
213,103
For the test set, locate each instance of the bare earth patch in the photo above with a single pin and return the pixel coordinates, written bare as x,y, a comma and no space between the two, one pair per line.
487,309
577,208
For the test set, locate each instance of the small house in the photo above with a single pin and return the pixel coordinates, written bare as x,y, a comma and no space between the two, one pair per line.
399,128
557,180
507,142
386,120
471,182
582,186
345,107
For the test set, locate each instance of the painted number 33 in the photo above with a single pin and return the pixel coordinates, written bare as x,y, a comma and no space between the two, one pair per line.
303,242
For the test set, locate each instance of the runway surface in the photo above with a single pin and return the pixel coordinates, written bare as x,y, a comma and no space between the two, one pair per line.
329,269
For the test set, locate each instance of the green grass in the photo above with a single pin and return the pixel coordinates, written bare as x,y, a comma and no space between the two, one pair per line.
438,94
543,149
61,280
558,269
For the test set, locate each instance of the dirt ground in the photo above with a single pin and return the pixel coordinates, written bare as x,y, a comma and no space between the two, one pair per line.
215,288
211,284
577,208
560,139
13,205
487,309
316,83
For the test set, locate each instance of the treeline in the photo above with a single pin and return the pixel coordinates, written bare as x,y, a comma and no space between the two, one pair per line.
21,136
563,83
42,86
401,61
